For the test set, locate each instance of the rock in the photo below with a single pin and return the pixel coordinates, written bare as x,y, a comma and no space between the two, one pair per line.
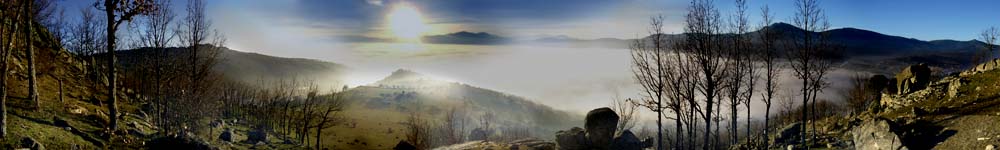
600,125
913,78
789,135
986,66
227,135
76,110
255,136
531,144
60,122
878,83
876,134
917,111
31,143
628,141
990,147
479,134
572,139
403,145
953,87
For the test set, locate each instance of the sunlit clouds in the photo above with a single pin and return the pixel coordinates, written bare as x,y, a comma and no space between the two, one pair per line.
405,22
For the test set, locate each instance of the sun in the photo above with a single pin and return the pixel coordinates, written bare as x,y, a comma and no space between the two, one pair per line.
405,22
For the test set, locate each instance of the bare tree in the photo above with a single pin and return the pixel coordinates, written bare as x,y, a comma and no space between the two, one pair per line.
118,12
990,38
13,16
651,71
627,113
768,56
811,57
740,83
334,104
455,124
418,131
704,48
859,95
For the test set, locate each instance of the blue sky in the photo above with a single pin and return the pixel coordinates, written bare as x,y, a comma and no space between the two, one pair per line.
921,19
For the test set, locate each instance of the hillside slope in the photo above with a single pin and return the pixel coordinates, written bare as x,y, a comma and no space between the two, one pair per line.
380,108
252,68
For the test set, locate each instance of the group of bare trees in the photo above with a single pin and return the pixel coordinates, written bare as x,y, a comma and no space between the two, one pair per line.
716,62
284,108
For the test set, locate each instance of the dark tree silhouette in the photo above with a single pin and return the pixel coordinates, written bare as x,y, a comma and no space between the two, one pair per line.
118,12
768,56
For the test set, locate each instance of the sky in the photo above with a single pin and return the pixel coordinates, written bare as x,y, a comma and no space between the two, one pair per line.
353,33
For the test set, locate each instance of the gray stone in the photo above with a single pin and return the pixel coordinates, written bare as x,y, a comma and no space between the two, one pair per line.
531,144
600,125
789,135
256,136
913,78
60,122
572,139
990,147
628,141
227,135
31,143
876,134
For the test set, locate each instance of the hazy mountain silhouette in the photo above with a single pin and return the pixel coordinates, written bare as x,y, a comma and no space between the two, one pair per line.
465,37
252,68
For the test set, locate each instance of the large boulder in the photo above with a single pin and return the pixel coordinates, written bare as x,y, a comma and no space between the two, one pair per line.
877,134
600,125
572,139
789,135
255,136
913,78
628,141
227,135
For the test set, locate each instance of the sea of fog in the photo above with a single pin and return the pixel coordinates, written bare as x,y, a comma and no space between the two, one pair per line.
575,79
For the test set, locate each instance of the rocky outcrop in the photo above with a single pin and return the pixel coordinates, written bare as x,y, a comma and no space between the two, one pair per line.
600,125
572,139
877,134
627,140
913,78
789,135
986,66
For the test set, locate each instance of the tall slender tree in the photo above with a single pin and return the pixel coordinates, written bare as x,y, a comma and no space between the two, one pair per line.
650,71
118,12
768,56
703,47
811,58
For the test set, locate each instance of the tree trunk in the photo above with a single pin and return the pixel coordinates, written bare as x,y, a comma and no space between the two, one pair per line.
32,82
109,9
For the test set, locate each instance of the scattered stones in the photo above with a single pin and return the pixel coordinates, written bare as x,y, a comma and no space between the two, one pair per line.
600,125
876,134
913,78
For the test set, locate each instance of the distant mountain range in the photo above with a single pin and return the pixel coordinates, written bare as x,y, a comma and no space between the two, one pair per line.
857,42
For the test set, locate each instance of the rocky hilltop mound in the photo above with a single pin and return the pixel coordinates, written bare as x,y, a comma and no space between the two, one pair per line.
918,111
